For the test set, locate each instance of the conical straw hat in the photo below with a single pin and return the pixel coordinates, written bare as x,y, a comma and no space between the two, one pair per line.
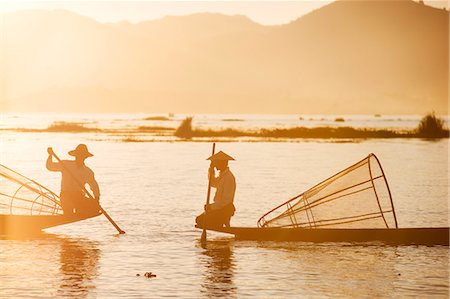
81,150
220,156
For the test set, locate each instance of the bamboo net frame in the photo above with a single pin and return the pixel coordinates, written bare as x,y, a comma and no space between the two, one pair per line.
20,195
357,197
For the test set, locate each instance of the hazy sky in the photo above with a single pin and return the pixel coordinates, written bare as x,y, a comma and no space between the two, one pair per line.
263,12
89,65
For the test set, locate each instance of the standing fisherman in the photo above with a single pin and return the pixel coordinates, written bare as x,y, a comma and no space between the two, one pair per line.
222,209
73,197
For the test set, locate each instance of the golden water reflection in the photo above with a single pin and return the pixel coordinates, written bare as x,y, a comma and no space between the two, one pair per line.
67,265
351,270
78,267
219,266
354,271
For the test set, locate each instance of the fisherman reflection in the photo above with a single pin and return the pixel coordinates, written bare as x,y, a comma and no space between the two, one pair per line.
218,278
79,266
75,175
219,213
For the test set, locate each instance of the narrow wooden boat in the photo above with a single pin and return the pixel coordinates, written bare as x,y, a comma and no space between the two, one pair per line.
354,205
429,236
20,224
27,206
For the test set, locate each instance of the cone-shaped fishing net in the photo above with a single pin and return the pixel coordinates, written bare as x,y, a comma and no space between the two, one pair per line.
357,197
20,195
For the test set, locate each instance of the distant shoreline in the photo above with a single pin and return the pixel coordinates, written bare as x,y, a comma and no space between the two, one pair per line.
262,134
314,133
430,126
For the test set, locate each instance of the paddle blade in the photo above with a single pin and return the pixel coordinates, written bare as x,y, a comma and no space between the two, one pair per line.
203,237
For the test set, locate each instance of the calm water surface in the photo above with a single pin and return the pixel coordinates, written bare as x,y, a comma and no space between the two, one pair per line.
154,191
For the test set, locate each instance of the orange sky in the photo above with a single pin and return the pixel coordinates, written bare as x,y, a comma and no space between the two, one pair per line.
263,12
89,64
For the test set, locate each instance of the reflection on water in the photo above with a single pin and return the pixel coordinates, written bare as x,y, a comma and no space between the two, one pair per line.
154,191
349,270
79,266
218,260
64,266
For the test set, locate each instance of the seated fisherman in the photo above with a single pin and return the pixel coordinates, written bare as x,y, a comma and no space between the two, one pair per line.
75,174
220,211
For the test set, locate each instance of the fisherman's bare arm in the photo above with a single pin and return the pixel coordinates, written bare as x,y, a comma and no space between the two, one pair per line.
212,177
52,166
93,185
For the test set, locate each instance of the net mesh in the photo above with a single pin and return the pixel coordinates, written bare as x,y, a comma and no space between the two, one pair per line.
357,197
20,195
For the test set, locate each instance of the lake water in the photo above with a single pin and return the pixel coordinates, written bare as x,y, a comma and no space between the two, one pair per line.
154,190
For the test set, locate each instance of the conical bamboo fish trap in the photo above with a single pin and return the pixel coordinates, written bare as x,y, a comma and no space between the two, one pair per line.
357,197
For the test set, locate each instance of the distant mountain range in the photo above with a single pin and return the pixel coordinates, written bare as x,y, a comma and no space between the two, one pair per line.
388,57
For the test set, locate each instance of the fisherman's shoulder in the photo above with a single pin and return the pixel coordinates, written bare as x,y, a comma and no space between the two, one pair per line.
229,174
68,162
88,170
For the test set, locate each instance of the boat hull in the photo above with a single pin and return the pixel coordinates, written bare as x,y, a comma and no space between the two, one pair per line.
20,224
398,236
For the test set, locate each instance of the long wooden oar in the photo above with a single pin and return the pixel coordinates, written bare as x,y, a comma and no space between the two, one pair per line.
203,237
87,192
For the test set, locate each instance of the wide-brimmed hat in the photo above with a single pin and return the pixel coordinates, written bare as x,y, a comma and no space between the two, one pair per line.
81,150
220,156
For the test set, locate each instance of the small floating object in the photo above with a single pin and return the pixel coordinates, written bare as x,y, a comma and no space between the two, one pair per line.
149,274
138,274
339,119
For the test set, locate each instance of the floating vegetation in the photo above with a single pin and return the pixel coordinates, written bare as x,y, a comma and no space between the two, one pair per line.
62,127
153,129
339,119
232,119
329,132
130,139
222,133
149,274
185,129
377,115
431,126
70,127
162,118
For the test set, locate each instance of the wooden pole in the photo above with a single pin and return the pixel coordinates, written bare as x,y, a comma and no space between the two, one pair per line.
87,192
203,237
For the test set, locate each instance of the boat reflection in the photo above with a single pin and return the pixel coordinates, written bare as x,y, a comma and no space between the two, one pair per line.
218,275
345,270
78,267
70,275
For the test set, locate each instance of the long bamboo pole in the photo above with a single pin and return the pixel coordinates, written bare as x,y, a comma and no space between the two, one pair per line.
87,192
203,237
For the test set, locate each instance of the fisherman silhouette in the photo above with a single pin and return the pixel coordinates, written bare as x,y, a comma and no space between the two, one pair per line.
219,213
75,175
